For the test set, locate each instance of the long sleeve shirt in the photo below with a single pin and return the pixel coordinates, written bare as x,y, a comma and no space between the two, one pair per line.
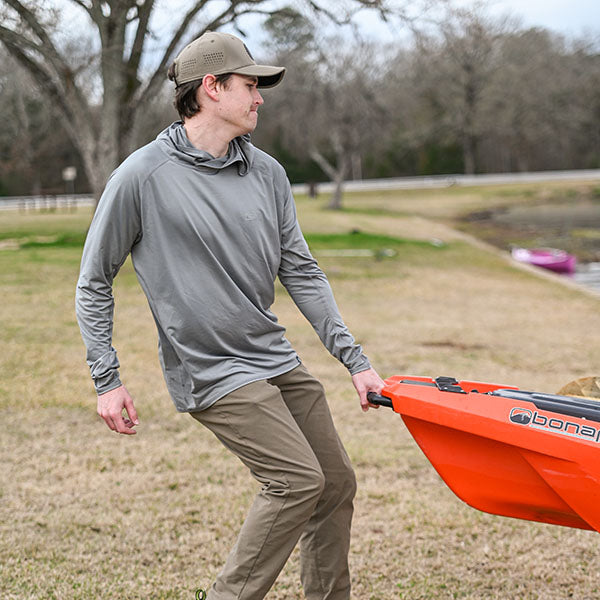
207,237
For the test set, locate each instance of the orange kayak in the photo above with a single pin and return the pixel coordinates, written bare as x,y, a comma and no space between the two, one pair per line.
506,451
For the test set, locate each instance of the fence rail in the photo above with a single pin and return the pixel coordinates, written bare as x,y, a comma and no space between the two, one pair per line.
46,202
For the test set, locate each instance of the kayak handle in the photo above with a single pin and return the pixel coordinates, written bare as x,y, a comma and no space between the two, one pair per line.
379,400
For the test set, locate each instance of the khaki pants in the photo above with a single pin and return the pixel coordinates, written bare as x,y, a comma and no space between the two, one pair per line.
282,430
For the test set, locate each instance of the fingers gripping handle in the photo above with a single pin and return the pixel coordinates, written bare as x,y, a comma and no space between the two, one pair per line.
379,400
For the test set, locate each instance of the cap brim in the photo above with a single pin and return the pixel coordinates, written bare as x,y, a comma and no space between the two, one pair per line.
267,76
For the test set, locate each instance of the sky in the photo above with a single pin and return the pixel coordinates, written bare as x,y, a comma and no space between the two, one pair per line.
571,17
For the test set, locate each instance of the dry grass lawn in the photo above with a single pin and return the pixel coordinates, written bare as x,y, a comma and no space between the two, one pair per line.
85,513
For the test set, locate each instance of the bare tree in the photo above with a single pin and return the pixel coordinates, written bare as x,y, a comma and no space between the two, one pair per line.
539,111
28,127
531,75
455,68
347,118
329,109
587,74
16,149
104,129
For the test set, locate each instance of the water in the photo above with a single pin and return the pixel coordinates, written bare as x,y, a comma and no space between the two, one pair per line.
588,274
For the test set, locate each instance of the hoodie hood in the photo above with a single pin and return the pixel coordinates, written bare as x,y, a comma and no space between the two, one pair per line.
179,147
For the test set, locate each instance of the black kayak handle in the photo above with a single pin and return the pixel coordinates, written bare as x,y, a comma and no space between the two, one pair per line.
379,400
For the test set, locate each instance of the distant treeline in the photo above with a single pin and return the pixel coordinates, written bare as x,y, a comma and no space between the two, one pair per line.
470,95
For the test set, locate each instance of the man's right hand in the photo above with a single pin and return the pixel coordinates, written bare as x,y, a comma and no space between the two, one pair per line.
110,408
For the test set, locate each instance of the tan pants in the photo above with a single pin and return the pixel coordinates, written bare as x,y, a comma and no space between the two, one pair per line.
282,430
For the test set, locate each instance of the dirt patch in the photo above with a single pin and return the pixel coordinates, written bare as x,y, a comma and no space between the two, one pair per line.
10,244
453,345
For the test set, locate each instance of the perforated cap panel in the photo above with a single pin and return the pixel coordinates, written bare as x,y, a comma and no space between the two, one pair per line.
220,53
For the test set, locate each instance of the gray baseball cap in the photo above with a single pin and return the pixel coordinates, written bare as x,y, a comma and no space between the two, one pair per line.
219,53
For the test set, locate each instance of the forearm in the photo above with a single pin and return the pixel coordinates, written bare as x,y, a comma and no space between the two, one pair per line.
309,288
114,230
94,311
313,296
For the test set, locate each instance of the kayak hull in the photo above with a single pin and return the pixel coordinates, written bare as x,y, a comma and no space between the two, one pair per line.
552,259
506,455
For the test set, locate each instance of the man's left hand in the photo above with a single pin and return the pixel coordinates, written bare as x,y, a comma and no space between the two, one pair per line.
364,382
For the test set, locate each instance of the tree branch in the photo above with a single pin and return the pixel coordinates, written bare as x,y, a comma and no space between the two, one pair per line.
46,46
132,82
316,7
229,15
137,48
84,6
178,35
325,165
43,78
159,74
59,85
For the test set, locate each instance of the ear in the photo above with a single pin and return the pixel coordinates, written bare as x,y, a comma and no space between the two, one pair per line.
210,87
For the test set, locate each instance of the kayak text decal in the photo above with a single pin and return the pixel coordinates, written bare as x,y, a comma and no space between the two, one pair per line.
529,418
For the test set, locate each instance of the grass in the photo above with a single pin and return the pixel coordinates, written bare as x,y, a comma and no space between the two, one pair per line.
554,214
358,240
85,513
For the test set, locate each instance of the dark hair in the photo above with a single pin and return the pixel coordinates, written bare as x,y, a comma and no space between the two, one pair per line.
186,95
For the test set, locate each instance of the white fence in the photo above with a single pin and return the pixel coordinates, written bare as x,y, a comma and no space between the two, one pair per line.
46,202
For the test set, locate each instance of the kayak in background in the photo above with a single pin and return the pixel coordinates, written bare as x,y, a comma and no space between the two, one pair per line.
553,259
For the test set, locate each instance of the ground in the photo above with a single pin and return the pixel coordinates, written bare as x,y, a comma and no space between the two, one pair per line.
85,513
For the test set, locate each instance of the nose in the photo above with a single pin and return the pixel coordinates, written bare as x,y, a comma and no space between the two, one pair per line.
258,99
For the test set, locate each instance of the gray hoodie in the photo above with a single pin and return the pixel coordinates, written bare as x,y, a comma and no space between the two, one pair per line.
208,237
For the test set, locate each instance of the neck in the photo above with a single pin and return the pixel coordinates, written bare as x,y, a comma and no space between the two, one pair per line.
207,135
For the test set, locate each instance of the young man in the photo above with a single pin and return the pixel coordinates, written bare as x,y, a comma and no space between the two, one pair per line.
210,223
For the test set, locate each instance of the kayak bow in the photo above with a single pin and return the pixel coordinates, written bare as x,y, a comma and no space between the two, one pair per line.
506,451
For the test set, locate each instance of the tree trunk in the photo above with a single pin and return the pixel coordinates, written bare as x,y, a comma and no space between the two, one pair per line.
335,202
356,166
27,149
336,173
469,150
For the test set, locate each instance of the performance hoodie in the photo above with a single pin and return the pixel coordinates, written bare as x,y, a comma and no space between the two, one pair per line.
208,237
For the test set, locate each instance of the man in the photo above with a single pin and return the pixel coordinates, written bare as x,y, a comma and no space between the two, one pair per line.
210,223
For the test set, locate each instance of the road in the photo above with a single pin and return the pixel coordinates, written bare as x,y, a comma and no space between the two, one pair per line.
442,181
